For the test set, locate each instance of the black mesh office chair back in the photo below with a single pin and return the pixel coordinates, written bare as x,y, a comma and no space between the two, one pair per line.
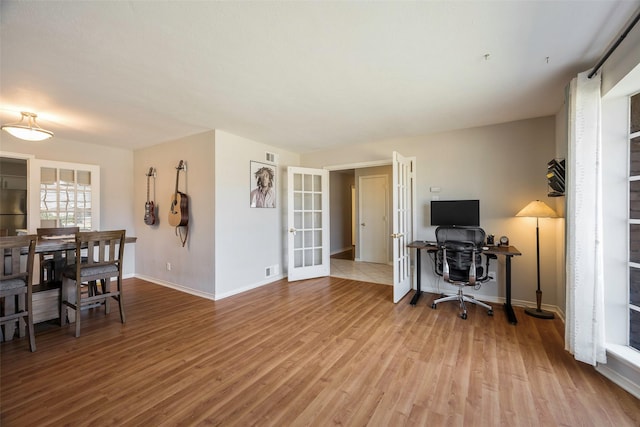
459,262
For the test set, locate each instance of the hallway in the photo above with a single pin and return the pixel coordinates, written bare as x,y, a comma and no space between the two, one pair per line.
362,271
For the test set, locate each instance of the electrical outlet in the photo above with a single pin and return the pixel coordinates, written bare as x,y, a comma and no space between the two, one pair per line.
168,266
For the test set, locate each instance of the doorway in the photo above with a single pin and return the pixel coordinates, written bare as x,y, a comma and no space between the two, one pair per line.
373,222
345,219
13,196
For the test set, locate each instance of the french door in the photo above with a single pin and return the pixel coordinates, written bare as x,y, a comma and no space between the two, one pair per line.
403,223
308,223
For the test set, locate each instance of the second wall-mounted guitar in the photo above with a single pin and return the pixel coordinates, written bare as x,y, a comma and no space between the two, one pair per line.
179,213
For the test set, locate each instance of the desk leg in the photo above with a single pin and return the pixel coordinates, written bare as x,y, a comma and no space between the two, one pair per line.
416,296
511,315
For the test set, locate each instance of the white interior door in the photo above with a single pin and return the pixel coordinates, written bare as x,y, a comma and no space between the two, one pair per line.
403,224
308,223
374,231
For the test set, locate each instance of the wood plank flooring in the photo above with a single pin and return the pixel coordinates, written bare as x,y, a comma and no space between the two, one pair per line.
317,352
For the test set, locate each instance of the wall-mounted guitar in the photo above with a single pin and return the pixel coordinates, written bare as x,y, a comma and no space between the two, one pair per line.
149,206
179,213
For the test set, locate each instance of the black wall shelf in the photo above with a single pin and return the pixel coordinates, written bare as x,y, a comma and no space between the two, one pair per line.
555,177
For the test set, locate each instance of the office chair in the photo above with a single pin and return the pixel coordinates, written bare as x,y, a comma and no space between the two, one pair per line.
458,261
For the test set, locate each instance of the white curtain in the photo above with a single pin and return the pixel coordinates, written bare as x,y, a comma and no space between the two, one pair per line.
584,329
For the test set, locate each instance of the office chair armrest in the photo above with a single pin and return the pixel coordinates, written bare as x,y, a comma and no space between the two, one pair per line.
472,268
445,264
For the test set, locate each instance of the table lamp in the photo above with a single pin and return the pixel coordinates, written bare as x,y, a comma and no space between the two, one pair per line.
538,209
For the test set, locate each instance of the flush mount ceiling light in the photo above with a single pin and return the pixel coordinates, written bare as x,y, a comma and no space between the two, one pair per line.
27,128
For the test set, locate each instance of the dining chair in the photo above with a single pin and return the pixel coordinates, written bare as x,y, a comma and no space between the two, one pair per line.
16,283
52,263
103,261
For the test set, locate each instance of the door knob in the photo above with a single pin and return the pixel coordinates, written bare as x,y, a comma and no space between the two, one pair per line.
396,235
293,230
362,224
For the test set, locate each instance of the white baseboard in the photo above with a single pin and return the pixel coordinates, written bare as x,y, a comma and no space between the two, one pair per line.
250,287
177,287
208,295
622,367
339,251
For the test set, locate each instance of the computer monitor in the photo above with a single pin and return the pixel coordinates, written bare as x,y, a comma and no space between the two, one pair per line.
455,212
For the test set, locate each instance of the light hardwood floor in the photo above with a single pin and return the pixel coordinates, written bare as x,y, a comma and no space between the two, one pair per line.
318,352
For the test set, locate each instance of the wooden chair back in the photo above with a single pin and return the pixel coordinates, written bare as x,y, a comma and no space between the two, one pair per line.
16,279
52,263
103,249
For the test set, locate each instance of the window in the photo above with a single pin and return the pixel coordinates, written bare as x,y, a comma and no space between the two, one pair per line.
65,195
634,223
65,198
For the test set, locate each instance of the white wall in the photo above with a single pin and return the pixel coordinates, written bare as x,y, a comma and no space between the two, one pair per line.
502,165
116,179
247,240
192,266
615,184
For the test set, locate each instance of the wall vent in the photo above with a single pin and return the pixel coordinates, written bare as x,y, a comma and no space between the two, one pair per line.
272,270
271,157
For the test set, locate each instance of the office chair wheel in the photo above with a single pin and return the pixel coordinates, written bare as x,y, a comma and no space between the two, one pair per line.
464,316
433,305
490,312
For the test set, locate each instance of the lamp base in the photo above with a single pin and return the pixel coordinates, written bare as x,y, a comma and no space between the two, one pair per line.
539,313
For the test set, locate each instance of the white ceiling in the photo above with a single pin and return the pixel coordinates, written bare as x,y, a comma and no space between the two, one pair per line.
297,75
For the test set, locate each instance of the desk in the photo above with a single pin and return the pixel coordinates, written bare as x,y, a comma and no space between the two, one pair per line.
507,251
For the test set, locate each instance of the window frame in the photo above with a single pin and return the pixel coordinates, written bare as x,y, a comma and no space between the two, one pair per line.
630,265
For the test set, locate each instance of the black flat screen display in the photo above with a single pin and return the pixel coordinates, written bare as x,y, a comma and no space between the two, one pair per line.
455,212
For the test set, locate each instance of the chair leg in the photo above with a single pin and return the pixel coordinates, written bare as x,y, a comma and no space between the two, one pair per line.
78,305
120,302
30,328
22,308
64,296
462,298
106,289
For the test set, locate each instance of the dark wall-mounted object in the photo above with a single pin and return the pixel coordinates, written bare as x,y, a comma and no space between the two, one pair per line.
555,177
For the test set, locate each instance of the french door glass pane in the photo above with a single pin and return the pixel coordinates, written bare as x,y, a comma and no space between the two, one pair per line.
634,329
307,216
634,286
635,113
634,243
634,156
634,200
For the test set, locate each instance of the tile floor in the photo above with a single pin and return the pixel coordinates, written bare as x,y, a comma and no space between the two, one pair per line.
363,271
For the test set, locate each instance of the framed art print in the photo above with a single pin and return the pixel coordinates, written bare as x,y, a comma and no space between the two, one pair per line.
263,185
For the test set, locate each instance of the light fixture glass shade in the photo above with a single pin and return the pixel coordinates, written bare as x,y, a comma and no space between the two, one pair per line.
27,128
537,209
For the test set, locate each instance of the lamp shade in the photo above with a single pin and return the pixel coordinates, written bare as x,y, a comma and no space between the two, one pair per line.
27,128
537,209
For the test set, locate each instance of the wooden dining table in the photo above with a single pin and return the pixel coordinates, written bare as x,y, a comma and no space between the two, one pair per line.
65,244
